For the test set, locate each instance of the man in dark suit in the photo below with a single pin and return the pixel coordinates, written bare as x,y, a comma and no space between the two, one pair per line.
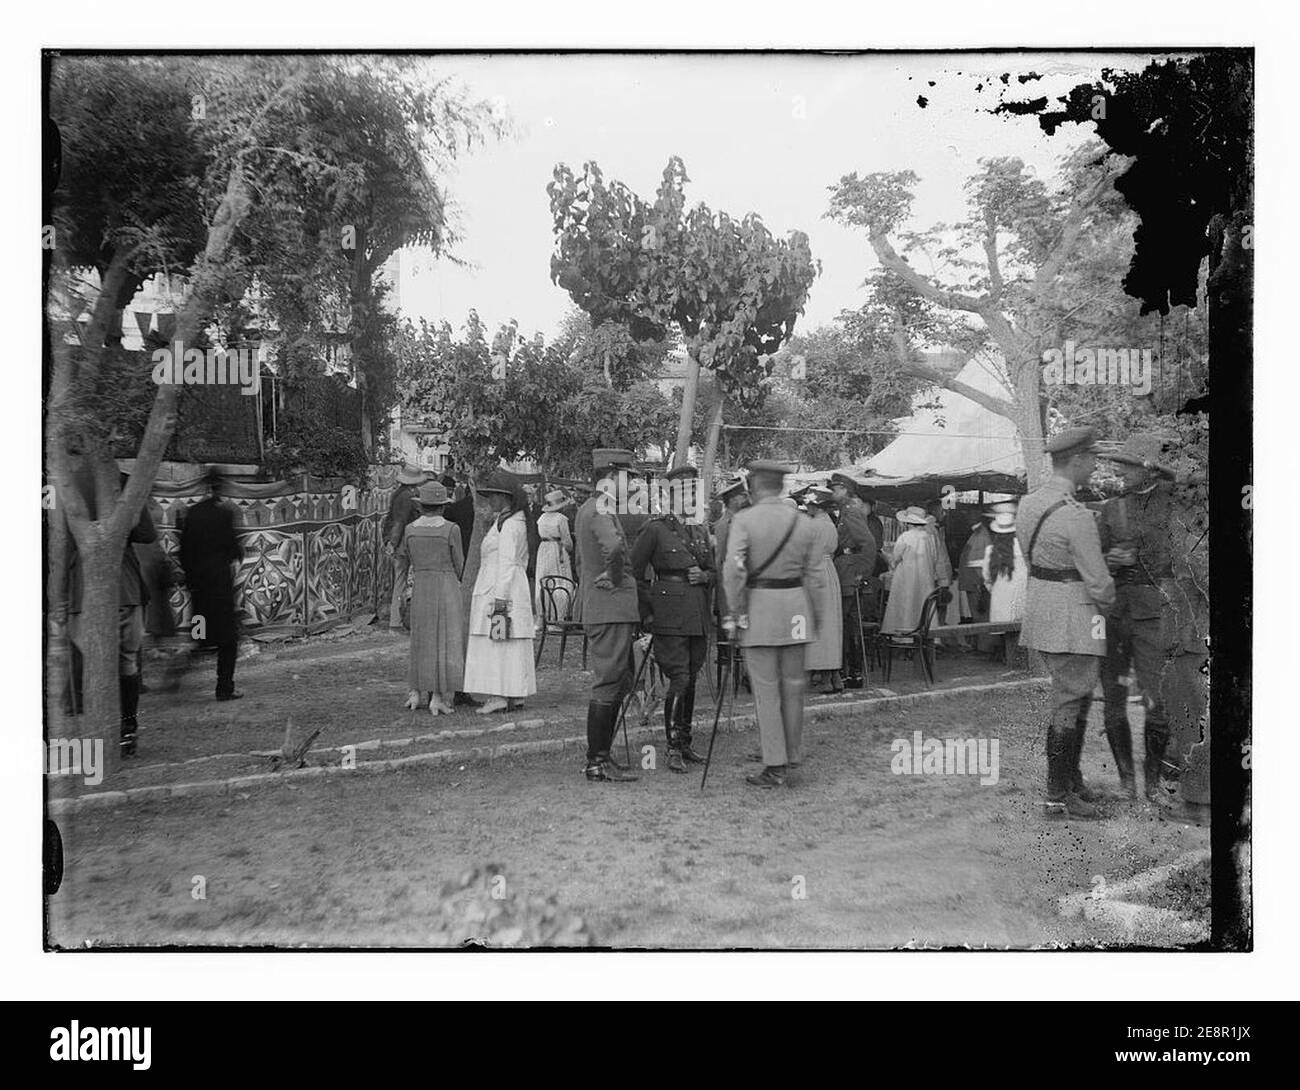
609,610
460,511
209,546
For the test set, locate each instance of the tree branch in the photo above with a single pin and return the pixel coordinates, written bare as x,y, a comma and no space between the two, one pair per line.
1083,206
910,365
162,417
953,300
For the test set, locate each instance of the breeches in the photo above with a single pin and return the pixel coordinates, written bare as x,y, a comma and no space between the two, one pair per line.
609,653
680,658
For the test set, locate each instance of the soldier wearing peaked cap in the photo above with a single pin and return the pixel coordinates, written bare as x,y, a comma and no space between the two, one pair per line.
774,586
735,497
675,608
1068,593
1151,631
609,609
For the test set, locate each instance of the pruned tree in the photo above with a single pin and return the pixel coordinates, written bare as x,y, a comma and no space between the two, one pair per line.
1001,263
729,288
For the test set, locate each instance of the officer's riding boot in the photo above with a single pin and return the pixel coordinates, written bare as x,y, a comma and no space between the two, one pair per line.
1120,737
600,734
1154,767
1062,801
129,690
675,763
685,725
1079,784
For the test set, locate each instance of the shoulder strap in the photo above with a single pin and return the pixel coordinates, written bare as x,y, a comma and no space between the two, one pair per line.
1029,553
777,551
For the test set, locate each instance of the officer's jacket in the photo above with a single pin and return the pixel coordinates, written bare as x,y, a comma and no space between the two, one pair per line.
776,616
671,547
855,559
1063,617
1149,590
602,550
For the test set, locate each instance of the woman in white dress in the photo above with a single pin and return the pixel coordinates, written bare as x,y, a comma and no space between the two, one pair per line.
554,556
499,659
913,573
1005,571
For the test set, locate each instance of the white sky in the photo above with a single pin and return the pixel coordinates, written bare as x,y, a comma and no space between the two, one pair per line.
733,119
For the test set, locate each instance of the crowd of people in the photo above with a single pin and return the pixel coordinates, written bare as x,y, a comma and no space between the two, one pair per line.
785,583
546,558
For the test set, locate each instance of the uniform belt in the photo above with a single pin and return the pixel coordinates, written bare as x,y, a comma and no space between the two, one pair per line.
1139,577
1055,575
671,577
774,584
850,550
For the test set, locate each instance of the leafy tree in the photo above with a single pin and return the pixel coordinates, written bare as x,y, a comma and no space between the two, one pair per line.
1023,235
229,173
728,287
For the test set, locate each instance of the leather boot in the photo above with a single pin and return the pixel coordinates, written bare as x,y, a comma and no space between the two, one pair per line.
1062,766
600,733
1154,767
129,691
675,763
685,726
1120,737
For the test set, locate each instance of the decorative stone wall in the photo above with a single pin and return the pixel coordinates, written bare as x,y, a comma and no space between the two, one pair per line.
313,553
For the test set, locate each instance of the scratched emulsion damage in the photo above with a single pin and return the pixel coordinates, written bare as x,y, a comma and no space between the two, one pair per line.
1187,127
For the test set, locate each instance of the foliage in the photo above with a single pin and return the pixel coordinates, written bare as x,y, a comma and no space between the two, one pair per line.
730,288
305,445
514,398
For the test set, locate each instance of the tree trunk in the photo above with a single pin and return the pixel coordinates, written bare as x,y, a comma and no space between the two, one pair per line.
689,390
101,708
710,453
1029,422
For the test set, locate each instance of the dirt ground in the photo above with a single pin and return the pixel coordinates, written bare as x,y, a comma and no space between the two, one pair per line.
353,690
881,859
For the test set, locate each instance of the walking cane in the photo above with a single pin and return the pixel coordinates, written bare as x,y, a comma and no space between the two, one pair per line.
622,712
717,713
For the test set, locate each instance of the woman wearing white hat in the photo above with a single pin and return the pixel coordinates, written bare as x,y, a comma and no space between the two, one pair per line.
553,553
914,573
1005,571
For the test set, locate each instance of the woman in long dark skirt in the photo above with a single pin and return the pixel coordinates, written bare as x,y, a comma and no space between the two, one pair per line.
432,547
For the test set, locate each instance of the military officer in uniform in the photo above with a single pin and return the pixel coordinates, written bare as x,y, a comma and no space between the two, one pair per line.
855,564
773,582
609,609
675,606
1068,594
1151,632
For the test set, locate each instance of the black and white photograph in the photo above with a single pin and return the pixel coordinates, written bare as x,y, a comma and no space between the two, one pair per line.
647,500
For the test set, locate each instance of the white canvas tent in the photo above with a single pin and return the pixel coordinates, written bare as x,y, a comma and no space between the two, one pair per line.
957,442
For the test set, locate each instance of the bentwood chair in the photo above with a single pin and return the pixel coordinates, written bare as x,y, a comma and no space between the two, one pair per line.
918,641
559,593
